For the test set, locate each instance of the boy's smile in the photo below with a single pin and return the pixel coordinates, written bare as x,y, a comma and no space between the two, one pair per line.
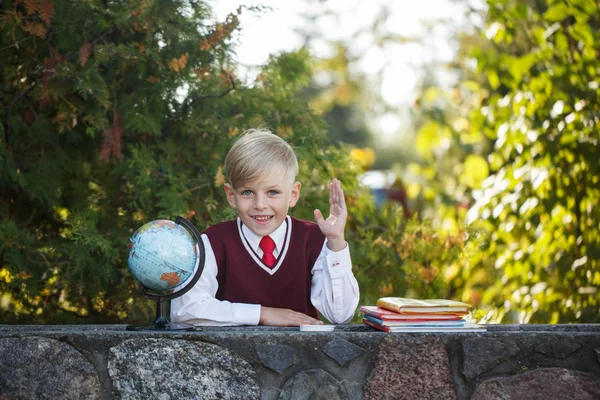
263,205
262,219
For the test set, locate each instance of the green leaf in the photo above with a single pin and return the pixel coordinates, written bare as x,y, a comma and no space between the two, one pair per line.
475,170
521,66
471,85
583,31
428,138
493,79
557,12
560,39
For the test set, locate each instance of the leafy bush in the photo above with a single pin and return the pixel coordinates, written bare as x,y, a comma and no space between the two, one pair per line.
536,213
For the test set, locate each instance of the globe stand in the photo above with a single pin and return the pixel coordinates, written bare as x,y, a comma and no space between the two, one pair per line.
161,322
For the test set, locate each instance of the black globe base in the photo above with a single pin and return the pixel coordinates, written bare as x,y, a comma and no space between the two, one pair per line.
161,323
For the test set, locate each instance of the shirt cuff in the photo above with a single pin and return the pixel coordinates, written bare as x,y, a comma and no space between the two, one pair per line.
246,314
338,262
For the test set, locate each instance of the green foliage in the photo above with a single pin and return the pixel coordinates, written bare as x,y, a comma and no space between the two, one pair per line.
451,155
533,239
339,96
97,138
537,211
402,258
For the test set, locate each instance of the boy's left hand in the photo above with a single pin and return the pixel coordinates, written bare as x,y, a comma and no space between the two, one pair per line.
333,227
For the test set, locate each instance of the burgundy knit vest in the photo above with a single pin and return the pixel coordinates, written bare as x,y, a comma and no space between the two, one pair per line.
242,280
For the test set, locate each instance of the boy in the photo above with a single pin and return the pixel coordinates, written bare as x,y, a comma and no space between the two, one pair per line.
265,267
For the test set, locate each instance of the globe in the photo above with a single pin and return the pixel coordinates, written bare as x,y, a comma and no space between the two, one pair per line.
165,256
162,255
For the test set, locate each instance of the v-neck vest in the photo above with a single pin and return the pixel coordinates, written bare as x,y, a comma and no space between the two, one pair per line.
243,278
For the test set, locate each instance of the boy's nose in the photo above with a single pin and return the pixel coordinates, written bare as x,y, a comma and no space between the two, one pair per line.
260,202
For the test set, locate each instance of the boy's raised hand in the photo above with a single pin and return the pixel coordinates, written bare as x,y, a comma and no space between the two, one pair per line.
333,227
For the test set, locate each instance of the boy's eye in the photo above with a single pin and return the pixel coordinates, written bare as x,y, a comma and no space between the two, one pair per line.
273,192
246,192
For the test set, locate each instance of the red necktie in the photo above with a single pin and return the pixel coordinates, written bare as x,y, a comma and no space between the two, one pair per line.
267,245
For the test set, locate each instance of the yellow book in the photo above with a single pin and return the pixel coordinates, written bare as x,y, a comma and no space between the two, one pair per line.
414,306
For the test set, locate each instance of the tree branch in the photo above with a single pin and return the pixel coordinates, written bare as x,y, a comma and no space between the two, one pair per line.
12,103
233,87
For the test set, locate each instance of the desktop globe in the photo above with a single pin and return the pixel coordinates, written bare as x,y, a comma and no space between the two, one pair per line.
162,255
165,256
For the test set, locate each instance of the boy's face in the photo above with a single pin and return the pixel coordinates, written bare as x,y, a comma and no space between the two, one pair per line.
263,205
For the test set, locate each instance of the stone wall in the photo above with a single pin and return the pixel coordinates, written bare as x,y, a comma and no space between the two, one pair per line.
352,362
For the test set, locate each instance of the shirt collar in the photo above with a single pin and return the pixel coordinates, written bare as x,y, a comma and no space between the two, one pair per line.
278,236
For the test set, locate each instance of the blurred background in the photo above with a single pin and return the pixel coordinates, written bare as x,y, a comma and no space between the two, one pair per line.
465,133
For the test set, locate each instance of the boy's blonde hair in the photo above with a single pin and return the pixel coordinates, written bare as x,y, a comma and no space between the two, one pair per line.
260,154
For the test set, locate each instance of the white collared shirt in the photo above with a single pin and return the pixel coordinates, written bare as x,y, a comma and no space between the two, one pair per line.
334,289
278,236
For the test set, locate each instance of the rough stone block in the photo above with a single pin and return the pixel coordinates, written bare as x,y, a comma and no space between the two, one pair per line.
542,384
276,357
179,369
41,368
482,354
411,367
342,351
558,348
313,384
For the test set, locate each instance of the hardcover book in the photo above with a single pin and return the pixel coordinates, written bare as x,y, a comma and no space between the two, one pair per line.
403,305
468,327
387,315
415,323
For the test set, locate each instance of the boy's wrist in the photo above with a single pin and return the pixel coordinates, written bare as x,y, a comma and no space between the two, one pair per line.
336,244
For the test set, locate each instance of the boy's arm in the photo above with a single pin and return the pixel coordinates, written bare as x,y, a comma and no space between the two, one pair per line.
200,307
285,317
334,289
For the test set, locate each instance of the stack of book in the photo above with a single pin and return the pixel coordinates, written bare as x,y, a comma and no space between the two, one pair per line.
397,314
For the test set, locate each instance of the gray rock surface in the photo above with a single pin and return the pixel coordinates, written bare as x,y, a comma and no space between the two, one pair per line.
276,357
542,384
342,351
313,384
558,348
178,369
42,368
482,354
67,361
411,367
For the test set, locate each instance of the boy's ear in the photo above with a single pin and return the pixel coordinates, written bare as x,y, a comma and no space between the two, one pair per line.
295,194
230,196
